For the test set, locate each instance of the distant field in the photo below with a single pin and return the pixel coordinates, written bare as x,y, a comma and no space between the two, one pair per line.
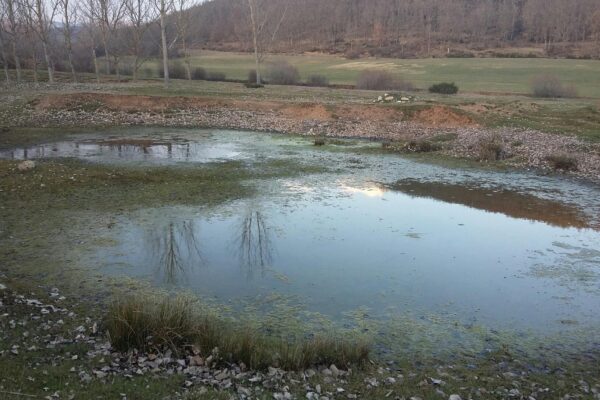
504,75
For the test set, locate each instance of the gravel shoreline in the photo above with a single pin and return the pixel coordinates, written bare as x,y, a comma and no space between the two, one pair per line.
521,148
48,327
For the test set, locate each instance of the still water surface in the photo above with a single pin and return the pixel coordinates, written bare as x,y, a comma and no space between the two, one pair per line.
378,232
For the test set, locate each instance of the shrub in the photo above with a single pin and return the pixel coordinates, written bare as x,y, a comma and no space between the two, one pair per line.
352,54
215,76
147,72
254,85
562,162
444,88
421,146
149,323
177,70
491,150
381,80
551,86
126,69
318,80
199,74
252,76
283,73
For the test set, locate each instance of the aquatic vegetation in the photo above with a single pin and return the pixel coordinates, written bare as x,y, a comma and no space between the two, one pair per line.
148,322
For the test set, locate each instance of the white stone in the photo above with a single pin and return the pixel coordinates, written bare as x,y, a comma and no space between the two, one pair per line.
26,165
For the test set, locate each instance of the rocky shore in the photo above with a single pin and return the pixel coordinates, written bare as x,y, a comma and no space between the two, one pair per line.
40,331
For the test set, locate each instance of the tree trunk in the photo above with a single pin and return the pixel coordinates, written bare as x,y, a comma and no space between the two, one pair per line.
163,35
17,60
96,67
69,46
48,62
4,59
186,60
136,60
13,27
106,55
35,65
253,18
117,70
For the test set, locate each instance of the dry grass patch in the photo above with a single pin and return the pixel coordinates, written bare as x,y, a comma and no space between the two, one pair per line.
153,323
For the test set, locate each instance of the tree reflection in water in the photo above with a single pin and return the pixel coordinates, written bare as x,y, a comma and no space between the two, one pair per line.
175,249
254,243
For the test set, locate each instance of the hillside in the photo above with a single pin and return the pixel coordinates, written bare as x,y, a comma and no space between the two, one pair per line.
406,29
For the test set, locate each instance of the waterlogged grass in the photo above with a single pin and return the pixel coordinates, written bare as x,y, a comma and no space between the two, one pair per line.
74,184
151,322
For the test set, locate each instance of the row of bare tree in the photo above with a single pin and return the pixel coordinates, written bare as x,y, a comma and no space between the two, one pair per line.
330,24
78,36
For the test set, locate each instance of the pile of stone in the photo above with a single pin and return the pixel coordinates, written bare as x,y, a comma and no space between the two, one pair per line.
392,98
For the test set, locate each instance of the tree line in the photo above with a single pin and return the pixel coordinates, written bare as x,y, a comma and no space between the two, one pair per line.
120,36
406,27
91,36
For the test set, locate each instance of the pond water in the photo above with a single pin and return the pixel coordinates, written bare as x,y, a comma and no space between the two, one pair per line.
388,235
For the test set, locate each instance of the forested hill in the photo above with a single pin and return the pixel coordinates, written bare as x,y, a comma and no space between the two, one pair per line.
404,27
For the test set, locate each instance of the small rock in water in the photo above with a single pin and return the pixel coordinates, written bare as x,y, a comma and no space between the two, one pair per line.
2,287
454,397
26,166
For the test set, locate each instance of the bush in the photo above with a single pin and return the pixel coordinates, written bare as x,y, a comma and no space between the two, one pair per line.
216,76
318,80
283,73
150,323
551,86
421,146
352,54
444,88
252,76
491,150
562,162
198,74
177,70
381,80
254,85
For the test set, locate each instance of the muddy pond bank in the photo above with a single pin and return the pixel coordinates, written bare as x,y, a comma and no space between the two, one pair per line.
267,212
438,129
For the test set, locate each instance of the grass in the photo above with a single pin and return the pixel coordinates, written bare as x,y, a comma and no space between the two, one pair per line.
562,162
151,323
68,183
472,75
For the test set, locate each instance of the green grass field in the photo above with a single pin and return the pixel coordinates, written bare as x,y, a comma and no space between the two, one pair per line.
503,75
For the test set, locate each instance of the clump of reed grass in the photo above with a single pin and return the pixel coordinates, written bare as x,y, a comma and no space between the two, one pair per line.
421,146
562,162
491,150
178,323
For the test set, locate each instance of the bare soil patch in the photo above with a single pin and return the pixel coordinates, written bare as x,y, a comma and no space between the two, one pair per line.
439,116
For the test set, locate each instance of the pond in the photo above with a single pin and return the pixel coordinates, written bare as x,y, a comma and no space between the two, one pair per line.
442,251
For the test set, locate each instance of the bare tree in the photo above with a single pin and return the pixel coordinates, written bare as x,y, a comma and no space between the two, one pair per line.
13,30
163,7
262,39
138,15
69,13
43,16
3,55
108,14
89,13
183,22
